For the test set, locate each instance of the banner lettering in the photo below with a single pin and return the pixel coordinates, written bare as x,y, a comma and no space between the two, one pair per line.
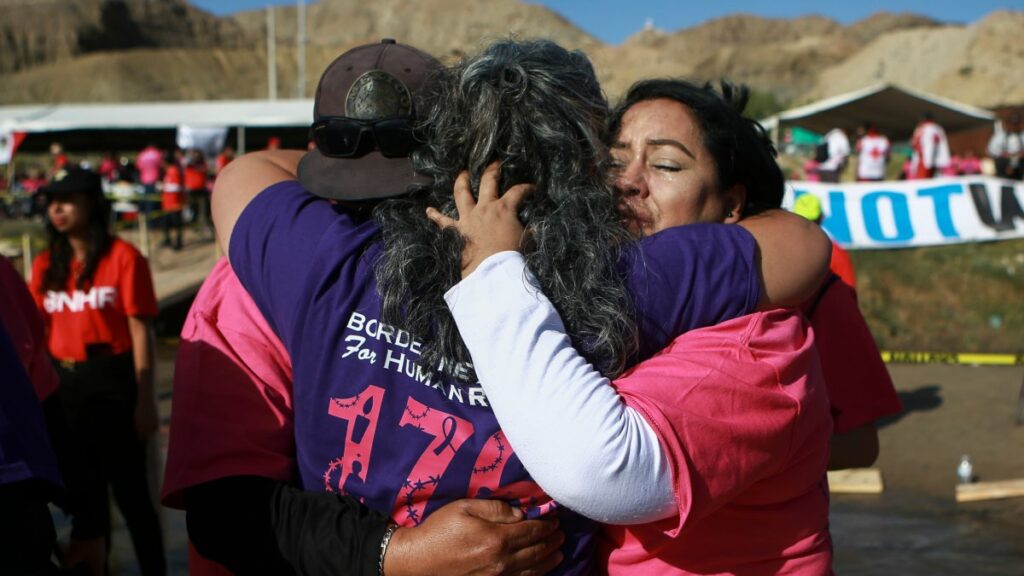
903,214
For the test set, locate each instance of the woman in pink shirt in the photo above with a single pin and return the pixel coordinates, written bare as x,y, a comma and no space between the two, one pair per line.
149,163
709,457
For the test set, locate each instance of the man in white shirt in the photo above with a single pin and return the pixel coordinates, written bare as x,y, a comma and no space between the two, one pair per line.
872,155
838,151
931,149
1006,147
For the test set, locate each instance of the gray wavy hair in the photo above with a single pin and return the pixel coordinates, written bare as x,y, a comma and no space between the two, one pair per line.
539,109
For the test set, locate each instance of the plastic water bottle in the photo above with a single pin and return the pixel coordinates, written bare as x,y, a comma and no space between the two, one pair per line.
965,470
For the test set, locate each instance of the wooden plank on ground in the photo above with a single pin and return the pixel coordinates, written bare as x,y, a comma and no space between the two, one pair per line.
990,490
855,481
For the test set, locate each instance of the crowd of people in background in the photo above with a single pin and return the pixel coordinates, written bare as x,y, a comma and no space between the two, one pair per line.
928,155
176,184
171,188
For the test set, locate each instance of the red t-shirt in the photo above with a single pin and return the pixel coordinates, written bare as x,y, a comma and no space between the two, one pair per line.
32,185
842,266
195,176
172,199
859,387
222,161
108,168
97,313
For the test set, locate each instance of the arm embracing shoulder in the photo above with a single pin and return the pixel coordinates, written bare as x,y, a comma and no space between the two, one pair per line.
794,256
605,462
241,180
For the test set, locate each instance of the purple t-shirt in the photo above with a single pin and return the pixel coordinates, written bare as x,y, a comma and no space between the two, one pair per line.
689,277
373,423
25,452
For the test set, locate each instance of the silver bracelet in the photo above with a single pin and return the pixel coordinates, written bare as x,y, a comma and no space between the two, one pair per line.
384,547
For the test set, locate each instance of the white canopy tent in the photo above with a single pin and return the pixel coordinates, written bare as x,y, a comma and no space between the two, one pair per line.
157,116
894,110
130,116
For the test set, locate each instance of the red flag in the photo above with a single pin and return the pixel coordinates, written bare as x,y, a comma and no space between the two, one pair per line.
9,142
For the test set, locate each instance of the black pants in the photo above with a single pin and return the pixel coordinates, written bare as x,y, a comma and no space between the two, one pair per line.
199,202
98,399
26,529
1009,168
172,220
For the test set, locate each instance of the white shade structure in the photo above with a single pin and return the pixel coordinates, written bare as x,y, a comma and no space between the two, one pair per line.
157,115
126,126
893,109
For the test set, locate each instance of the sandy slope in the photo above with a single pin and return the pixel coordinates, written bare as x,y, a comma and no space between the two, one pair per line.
980,64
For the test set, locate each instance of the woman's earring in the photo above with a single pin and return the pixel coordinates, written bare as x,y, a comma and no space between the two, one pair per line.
730,214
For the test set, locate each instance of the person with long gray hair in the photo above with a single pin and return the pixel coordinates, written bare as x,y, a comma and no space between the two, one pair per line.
385,408
539,109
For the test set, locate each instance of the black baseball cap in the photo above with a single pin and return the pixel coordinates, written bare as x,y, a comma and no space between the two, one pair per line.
369,82
73,179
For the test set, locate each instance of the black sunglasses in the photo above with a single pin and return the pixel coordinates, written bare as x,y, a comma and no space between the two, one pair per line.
342,137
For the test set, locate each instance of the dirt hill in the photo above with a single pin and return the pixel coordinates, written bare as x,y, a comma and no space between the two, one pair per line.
36,32
144,50
142,75
782,57
981,64
440,27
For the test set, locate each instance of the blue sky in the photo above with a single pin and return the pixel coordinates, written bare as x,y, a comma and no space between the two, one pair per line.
614,21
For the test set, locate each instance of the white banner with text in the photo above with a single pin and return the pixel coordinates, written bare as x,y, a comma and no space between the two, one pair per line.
903,214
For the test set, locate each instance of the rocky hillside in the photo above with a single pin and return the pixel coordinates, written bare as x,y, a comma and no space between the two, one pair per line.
140,50
441,27
38,32
982,64
783,57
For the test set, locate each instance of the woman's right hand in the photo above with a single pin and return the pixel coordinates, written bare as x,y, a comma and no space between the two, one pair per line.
490,224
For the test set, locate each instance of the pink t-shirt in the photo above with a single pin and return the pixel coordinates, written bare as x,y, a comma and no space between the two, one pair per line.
148,163
229,359
970,165
742,412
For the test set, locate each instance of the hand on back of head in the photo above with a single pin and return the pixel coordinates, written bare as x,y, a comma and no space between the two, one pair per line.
488,225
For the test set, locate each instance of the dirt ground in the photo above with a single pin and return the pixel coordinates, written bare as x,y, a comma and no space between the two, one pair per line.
950,411
916,527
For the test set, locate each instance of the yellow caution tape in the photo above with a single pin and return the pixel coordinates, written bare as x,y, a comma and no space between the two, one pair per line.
970,359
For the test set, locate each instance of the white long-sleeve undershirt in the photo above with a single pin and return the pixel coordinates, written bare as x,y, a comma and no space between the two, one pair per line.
565,421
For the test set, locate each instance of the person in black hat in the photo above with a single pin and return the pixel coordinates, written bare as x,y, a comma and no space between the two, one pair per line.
367,105
95,292
229,472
